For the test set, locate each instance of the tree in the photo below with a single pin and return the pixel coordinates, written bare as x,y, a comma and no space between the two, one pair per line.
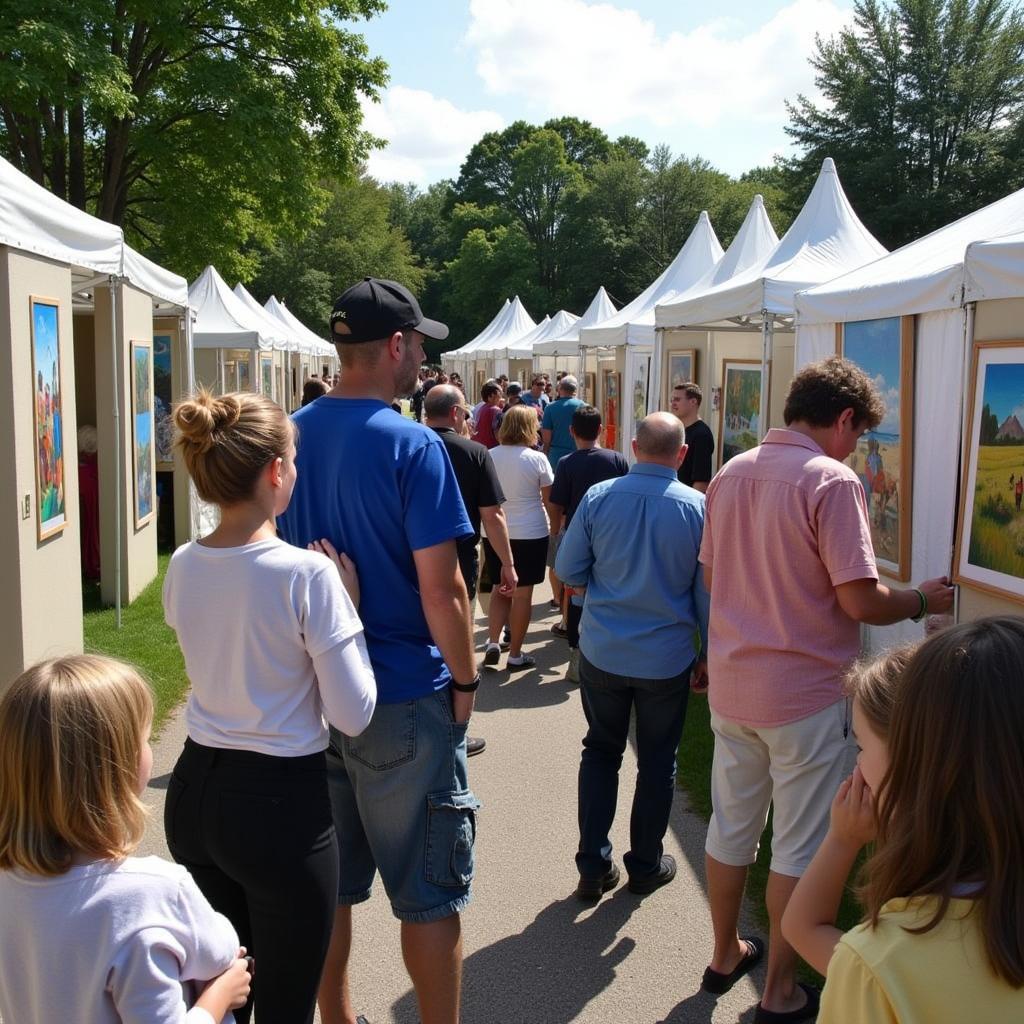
197,125
923,112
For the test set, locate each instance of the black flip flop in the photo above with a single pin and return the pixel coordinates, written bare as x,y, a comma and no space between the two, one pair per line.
807,1012
718,983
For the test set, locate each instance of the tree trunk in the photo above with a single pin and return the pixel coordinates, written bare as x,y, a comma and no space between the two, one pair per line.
76,155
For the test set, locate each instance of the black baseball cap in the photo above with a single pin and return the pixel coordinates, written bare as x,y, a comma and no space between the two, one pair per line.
375,309
514,388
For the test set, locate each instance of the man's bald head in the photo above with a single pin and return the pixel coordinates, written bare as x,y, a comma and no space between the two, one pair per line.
440,401
659,438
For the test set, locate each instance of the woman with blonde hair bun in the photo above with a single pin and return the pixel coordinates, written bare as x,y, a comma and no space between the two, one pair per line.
273,646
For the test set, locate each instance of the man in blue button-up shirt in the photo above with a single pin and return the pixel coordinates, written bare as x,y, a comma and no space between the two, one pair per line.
633,545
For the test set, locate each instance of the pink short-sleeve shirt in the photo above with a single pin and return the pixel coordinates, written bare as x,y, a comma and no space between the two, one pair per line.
785,524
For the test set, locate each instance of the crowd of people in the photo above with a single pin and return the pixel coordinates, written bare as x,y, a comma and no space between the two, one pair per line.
328,715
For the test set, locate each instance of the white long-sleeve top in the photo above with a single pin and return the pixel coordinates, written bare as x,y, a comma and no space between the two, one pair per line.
272,647
108,942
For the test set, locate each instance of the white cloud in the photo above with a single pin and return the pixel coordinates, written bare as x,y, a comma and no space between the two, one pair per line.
428,137
610,65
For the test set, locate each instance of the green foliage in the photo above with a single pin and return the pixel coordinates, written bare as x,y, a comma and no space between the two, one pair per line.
923,112
200,126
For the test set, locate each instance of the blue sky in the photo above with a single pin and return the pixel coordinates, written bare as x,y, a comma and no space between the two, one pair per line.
1004,390
708,84
874,345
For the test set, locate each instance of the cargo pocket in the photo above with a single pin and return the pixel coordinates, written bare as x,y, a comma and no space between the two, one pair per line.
451,834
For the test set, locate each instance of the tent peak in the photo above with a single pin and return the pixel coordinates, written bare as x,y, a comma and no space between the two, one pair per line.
828,166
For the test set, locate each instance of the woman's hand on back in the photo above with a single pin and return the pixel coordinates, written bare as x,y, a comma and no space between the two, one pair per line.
345,566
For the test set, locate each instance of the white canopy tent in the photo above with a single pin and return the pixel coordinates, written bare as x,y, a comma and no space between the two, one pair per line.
551,327
936,279
473,343
600,309
511,324
826,239
306,339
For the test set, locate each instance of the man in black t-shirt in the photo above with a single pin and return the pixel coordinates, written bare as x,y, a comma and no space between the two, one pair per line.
575,474
696,471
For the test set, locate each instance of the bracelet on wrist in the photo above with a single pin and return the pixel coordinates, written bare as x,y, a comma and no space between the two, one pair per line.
923,610
467,687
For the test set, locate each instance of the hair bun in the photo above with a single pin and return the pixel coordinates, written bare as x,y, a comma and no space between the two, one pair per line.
198,419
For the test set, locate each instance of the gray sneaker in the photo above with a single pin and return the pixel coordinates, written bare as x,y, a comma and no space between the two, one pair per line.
572,673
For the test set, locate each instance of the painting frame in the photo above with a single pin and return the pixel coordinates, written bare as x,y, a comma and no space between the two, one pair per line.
966,572
267,374
589,387
611,406
898,568
723,411
47,526
143,447
163,400
677,356
640,386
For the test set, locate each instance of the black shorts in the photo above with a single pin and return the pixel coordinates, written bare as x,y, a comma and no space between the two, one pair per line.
529,556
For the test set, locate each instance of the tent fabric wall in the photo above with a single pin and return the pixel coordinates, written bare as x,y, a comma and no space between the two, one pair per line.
814,342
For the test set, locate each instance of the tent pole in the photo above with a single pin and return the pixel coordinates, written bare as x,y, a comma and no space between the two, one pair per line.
115,364
767,343
190,388
965,427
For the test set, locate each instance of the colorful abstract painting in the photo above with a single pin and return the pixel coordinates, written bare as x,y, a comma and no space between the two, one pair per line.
51,509
143,454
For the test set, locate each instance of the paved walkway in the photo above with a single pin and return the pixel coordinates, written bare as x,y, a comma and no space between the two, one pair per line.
534,954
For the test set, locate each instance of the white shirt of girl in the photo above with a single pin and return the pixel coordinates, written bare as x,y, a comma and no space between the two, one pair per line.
272,644
108,942
522,472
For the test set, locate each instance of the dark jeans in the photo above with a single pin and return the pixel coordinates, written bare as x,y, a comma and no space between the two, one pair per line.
608,700
256,834
572,622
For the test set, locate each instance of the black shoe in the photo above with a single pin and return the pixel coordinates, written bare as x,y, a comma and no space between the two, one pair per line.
592,889
475,745
807,1012
665,873
559,630
492,655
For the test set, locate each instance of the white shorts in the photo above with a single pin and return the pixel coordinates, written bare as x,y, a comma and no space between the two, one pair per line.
796,768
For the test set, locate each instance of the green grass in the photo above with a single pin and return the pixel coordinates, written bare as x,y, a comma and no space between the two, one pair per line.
144,640
694,761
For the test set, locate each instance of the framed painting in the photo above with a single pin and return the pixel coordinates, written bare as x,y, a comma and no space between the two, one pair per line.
589,387
244,372
143,455
48,414
610,392
640,376
990,523
739,416
162,425
681,367
884,350
267,374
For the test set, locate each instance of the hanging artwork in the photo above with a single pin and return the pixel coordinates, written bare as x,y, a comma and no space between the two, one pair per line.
589,388
611,382
51,510
990,523
739,416
143,460
162,401
682,368
244,376
267,374
884,350
640,375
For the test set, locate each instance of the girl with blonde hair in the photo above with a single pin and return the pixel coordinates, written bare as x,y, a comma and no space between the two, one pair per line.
90,933
273,646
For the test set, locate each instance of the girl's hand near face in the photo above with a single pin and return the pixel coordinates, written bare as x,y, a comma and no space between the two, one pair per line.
853,821
345,566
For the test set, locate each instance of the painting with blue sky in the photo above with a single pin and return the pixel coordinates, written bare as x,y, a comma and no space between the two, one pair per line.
48,413
882,456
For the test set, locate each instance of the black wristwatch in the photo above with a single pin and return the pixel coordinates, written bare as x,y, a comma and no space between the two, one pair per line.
467,687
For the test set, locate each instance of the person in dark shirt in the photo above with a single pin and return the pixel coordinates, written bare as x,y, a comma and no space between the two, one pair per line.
696,471
575,474
488,416
445,412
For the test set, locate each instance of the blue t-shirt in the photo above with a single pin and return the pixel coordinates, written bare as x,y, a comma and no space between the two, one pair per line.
378,486
558,419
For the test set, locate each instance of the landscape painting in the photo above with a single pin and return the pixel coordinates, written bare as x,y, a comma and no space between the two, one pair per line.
990,545
610,413
51,511
682,368
162,401
643,369
884,350
267,374
739,419
142,431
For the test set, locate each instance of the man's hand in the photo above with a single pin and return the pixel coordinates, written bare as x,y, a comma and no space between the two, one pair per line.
462,706
939,595
699,676
509,581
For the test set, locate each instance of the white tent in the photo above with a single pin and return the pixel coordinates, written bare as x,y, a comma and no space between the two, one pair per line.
284,339
551,327
509,326
634,323
568,343
317,346
994,269
474,343
222,320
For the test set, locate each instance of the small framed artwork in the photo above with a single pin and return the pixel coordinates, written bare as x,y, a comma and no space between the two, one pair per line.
267,374
589,388
48,415
739,427
884,350
682,368
162,402
143,455
990,521
640,375
611,390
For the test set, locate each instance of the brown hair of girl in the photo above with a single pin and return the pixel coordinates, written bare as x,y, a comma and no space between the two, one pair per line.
874,684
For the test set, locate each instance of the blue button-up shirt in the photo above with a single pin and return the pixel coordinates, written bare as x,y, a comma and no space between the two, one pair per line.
633,544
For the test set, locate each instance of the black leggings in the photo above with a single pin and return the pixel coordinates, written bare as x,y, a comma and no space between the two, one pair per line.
256,834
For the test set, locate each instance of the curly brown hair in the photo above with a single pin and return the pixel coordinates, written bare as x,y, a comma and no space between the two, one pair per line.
821,391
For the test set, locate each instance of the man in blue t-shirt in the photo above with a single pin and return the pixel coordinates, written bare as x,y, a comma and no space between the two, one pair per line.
535,396
381,488
554,427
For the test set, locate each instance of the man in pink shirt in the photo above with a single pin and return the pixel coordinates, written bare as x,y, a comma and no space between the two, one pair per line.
485,432
788,560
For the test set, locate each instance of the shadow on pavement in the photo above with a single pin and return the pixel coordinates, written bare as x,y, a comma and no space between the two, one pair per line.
550,971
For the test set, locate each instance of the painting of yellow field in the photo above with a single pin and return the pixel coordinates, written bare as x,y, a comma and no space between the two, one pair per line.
991,545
